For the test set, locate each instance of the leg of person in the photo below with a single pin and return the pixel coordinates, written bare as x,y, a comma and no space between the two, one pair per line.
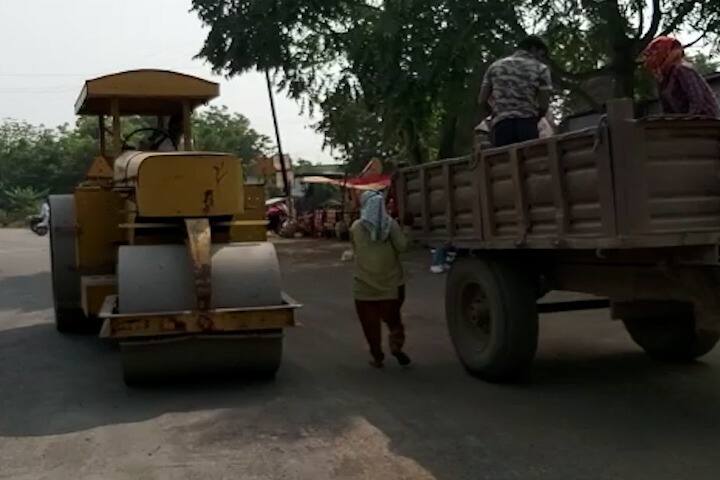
438,260
393,318
370,319
527,129
503,133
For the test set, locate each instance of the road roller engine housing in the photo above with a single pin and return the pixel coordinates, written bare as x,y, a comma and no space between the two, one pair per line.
164,247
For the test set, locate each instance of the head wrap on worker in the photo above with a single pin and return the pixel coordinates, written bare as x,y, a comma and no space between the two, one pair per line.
374,215
661,55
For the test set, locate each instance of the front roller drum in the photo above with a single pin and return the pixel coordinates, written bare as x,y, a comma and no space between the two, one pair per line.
246,356
492,317
158,279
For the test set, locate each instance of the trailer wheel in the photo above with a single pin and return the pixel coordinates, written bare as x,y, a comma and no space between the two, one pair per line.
492,318
673,339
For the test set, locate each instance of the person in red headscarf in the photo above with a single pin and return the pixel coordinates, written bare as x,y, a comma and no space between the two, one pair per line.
682,89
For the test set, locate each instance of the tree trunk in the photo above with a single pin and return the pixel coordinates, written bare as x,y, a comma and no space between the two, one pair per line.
622,49
413,144
624,64
448,135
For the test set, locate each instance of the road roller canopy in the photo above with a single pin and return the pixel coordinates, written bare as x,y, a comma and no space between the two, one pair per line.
170,97
144,92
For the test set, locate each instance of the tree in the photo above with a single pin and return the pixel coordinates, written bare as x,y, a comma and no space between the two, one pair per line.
349,127
23,201
705,64
217,129
603,39
405,62
408,71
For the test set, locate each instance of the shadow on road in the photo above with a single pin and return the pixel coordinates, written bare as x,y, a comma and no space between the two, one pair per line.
26,293
434,414
596,407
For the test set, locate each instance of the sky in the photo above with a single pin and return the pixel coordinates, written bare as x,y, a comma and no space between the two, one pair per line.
50,47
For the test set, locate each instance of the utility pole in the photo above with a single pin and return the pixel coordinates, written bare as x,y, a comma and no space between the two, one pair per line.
283,167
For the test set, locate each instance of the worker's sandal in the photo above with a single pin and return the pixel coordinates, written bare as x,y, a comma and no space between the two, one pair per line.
402,358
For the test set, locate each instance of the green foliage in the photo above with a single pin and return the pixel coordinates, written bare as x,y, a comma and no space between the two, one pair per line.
40,160
350,128
705,64
216,129
593,40
21,202
401,76
401,65
36,161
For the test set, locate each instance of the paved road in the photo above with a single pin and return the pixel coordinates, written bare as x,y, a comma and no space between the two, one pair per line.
596,407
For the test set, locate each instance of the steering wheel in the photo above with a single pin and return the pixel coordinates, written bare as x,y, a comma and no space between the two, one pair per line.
164,134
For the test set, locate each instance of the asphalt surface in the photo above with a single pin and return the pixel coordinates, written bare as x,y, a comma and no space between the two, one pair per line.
595,408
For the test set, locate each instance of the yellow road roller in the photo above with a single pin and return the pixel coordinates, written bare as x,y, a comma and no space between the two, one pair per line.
164,248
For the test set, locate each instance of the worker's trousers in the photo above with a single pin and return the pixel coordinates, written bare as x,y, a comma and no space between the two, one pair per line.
372,313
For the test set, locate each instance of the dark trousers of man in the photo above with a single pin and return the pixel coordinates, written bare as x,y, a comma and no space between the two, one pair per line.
373,313
514,130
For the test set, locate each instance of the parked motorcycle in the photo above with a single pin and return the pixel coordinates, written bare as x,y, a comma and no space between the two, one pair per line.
35,222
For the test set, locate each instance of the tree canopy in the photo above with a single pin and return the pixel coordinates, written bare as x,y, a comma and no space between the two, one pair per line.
216,129
593,40
402,76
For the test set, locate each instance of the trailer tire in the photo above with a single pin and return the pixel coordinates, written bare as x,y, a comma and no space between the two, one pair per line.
671,339
492,318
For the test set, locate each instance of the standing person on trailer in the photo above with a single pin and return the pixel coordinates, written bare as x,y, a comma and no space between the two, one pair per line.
520,87
682,89
378,277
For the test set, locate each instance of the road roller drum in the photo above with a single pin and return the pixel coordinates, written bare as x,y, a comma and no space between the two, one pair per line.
247,356
159,278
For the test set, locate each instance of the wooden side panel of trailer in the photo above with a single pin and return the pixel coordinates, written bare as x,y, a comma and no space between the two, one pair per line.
626,183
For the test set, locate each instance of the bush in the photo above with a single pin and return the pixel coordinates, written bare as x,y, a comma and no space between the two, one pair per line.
22,201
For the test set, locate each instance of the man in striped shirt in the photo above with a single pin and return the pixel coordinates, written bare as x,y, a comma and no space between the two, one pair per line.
516,89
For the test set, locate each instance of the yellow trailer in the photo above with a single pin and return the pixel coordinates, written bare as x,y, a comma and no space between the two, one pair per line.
164,247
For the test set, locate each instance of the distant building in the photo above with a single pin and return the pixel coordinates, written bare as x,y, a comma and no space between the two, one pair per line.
269,170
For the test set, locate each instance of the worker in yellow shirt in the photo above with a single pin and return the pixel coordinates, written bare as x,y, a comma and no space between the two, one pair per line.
378,277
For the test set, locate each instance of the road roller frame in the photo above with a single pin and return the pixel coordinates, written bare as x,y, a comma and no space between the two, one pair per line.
135,197
118,326
203,319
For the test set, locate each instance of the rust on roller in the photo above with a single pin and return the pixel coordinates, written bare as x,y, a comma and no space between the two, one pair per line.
199,243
